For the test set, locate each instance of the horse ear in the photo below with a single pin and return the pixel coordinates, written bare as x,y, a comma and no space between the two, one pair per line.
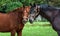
35,4
30,4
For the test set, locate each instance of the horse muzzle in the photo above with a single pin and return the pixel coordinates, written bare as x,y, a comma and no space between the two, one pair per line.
31,20
24,21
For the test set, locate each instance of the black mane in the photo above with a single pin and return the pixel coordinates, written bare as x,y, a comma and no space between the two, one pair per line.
46,7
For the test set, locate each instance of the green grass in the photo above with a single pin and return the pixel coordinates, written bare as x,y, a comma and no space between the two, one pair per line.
38,31
35,30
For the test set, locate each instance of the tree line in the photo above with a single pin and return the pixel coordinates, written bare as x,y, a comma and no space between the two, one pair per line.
8,5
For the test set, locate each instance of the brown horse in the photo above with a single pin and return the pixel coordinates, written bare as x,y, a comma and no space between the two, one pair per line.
12,21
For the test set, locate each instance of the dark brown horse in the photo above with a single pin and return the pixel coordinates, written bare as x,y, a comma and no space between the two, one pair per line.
52,14
12,21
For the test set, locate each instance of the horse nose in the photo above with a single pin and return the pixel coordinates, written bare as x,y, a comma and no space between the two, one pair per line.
31,21
24,20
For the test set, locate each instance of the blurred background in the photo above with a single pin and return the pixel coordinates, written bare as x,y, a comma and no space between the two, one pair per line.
40,27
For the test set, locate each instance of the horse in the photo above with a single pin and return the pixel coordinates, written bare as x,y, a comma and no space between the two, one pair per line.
51,13
14,21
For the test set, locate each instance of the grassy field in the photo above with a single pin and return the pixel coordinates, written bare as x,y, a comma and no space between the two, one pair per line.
35,29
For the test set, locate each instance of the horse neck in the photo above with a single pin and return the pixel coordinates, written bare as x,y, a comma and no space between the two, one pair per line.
49,13
17,14
45,16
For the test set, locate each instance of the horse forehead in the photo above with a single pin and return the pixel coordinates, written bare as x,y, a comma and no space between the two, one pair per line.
21,8
27,8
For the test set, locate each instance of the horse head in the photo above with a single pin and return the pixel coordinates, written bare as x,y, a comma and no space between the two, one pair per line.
26,13
34,12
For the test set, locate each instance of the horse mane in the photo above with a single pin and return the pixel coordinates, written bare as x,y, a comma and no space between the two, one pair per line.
46,7
17,14
19,9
